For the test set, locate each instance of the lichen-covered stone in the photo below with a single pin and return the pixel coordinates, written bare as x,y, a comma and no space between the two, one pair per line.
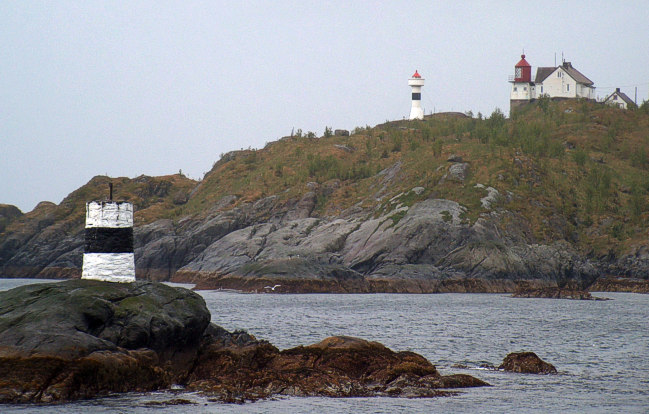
82,338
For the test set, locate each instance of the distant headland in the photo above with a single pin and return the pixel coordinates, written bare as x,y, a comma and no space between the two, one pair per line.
554,196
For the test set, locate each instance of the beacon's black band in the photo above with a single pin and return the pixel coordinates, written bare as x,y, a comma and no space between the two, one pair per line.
109,240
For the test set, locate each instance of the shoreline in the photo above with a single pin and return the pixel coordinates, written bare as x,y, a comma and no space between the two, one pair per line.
244,285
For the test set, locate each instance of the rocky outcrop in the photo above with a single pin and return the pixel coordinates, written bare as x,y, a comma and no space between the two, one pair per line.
8,213
633,265
457,172
526,363
620,284
336,367
81,339
554,293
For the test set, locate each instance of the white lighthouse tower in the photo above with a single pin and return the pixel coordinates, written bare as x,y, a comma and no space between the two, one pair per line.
416,82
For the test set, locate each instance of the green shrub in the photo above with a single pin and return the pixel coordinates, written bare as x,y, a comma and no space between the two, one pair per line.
437,148
579,156
597,188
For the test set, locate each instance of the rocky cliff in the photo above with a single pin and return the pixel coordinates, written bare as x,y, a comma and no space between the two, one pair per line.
555,197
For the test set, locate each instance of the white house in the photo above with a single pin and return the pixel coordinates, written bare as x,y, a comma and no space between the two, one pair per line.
560,82
619,99
563,82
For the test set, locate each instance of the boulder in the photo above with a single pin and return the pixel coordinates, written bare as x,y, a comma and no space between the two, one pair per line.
82,338
418,190
344,148
526,363
458,172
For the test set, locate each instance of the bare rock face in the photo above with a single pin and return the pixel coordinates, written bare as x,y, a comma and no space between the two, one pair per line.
526,363
426,248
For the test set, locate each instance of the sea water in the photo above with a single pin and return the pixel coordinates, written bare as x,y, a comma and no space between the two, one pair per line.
600,348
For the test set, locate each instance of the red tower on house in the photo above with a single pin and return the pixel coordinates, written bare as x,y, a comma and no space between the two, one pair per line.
523,88
522,71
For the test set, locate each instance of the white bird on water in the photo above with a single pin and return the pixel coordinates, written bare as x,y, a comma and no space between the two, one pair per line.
272,287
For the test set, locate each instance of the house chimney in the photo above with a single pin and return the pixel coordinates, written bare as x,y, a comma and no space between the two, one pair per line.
617,90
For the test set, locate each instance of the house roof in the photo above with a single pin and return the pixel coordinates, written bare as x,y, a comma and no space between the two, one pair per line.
543,72
576,75
622,96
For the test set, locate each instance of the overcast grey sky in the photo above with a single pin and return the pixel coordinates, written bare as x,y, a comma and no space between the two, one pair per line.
152,87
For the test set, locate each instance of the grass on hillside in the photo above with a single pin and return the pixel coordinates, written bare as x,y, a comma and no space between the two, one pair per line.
576,170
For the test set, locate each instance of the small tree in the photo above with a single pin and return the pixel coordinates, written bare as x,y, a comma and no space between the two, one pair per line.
437,148
327,132
644,107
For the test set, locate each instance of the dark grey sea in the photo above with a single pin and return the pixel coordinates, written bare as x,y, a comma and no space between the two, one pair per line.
601,349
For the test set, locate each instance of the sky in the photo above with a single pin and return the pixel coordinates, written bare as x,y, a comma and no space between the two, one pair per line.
155,87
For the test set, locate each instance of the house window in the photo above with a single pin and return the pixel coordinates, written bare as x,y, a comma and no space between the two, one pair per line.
541,89
568,87
615,98
515,88
525,88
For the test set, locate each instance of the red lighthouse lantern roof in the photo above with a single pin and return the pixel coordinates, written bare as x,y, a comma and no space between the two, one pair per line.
416,75
522,62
